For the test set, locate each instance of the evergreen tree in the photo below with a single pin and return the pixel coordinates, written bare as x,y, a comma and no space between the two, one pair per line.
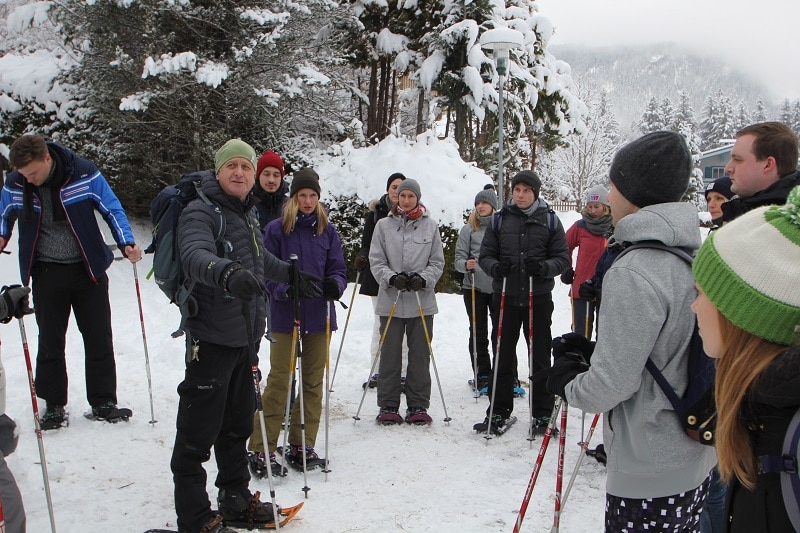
667,113
760,112
651,118
684,113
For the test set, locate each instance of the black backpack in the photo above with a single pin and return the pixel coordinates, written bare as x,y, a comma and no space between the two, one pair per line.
696,409
788,467
165,211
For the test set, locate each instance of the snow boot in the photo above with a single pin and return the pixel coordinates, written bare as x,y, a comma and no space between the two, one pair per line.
257,461
599,454
497,422
54,417
372,383
109,412
295,457
389,416
483,383
539,426
240,509
418,416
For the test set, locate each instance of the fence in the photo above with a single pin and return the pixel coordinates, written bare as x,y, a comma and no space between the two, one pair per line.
565,206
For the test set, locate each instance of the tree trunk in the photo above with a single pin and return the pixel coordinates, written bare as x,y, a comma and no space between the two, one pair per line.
372,109
420,111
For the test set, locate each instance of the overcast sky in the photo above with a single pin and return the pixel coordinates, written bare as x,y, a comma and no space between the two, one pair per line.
758,37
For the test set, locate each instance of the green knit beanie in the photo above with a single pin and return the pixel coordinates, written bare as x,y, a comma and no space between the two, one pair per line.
234,148
750,270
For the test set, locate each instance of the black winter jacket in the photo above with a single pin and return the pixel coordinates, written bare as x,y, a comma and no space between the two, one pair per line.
220,318
378,209
520,236
270,204
772,401
775,194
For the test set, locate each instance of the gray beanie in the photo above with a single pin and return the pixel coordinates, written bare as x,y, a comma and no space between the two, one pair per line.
488,196
599,194
653,169
529,178
410,185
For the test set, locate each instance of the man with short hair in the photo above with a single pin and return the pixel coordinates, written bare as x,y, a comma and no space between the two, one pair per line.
54,194
762,168
217,399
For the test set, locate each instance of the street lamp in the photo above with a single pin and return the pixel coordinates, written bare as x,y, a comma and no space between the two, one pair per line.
500,41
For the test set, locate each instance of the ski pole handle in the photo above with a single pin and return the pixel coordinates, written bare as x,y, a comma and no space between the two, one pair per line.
295,277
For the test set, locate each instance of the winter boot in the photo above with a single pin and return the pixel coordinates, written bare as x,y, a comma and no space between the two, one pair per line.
389,416
54,417
240,509
539,426
215,525
483,383
109,412
257,462
295,457
497,422
372,383
277,468
418,416
599,454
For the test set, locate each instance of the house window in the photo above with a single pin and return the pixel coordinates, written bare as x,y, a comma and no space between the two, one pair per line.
717,172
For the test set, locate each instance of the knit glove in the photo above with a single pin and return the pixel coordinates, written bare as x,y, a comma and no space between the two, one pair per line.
415,282
399,281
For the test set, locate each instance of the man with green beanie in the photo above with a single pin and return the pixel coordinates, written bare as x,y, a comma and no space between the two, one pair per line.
216,396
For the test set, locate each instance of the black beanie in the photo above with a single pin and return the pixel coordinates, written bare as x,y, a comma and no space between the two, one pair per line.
305,178
529,178
653,169
395,176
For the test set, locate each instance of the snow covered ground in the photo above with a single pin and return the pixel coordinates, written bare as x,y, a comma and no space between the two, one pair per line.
116,478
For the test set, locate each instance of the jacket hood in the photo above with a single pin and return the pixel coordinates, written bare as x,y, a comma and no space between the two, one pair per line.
673,223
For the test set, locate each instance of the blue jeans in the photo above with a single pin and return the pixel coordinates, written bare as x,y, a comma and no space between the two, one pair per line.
712,520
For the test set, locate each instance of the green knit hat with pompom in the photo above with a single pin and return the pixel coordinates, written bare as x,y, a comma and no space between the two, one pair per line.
750,270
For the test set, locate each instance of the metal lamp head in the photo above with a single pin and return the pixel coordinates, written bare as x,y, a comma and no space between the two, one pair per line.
500,41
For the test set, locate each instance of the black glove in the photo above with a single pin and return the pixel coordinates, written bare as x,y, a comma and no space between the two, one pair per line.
360,263
330,289
589,291
306,287
415,282
574,346
8,435
533,267
564,370
502,269
241,283
568,276
399,281
17,302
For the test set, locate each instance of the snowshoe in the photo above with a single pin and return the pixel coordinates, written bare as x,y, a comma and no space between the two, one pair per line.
499,424
599,454
539,427
372,383
109,412
54,417
418,416
483,386
519,391
295,458
389,416
257,461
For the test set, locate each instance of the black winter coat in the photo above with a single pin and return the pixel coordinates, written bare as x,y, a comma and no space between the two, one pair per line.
220,318
775,194
518,237
378,209
772,401
270,204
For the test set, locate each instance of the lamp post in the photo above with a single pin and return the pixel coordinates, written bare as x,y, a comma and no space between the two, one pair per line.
500,41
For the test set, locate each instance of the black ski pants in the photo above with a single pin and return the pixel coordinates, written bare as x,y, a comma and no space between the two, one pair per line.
541,402
480,322
217,402
57,290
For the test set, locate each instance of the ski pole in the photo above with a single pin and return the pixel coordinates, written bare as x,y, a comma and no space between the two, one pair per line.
298,347
496,359
584,447
377,354
328,305
260,409
144,342
430,350
538,466
344,332
37,424
585,334
530,356
474,342
560,472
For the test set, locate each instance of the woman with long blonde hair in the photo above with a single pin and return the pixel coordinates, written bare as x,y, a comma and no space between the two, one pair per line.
748,312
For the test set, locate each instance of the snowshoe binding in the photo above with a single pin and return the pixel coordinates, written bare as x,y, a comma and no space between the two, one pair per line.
599,454
372,383
295,457
257,461
54,417
498,426
109,412
389,416
418,416
539,427
241,510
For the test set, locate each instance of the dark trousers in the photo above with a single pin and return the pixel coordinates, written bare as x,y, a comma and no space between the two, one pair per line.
514,317
418,373
581,311
217,402
480,323
57,290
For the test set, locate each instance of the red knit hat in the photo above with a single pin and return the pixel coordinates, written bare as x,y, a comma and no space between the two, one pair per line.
269,159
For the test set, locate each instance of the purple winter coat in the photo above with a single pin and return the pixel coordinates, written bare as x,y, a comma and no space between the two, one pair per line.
320,255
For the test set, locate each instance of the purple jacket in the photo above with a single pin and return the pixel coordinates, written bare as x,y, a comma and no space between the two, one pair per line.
320,255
